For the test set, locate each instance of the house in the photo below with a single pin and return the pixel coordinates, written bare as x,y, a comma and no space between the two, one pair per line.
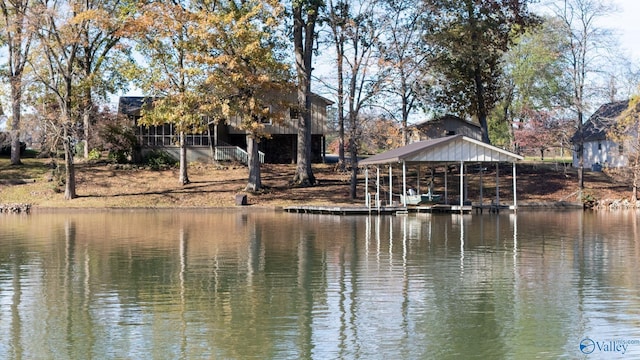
227,141
598,149
444,126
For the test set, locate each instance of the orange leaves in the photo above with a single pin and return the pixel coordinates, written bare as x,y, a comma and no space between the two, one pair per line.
224,54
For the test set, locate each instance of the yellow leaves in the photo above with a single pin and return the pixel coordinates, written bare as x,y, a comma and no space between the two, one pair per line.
221,54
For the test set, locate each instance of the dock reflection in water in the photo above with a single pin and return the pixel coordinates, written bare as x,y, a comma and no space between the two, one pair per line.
272,285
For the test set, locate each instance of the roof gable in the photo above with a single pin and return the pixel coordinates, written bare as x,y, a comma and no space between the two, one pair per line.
602,119
132,105
455,148
445,119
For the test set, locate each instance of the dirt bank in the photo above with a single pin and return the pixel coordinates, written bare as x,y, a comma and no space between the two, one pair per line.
102,185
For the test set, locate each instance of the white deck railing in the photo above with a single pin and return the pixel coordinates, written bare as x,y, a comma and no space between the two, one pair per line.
234,153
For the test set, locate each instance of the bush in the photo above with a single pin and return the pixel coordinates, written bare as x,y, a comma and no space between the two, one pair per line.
159,160
79,148
589,200
94,154
117,136
118,156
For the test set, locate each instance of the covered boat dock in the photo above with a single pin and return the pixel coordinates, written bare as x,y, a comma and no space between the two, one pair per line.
446,151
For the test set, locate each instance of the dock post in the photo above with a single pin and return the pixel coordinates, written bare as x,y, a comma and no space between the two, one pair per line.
515,197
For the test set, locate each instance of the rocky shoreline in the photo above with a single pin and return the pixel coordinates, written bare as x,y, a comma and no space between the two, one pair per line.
15,208
607,204
616,204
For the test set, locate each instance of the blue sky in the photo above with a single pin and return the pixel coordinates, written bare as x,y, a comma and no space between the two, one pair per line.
627,25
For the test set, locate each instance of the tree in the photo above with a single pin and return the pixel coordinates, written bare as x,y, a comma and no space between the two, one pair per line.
172,76
380,134
305,16
182,111
247,75
403,55
625,131
586,40
59,42
336,20
114,133
355,31
364,82
18,37
533,83
101,32
542,131
468,38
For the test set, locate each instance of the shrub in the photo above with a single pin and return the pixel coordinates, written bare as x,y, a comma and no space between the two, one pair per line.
94,154
589,200
117,136
159,160
118,156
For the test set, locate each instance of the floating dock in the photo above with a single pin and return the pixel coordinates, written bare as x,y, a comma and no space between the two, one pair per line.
383,210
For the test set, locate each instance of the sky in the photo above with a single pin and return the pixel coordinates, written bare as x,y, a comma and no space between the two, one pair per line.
626,24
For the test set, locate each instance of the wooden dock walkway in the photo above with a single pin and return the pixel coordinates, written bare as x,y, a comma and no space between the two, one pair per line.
383,210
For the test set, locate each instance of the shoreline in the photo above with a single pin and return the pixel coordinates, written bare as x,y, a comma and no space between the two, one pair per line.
30,209
212,188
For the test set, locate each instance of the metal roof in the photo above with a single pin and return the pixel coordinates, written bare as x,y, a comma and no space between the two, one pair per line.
602,121
456,148
132,105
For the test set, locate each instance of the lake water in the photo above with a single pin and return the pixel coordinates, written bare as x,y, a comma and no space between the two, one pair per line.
234,284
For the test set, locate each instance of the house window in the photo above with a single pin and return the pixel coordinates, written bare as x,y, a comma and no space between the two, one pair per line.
599,146
294,113
165,135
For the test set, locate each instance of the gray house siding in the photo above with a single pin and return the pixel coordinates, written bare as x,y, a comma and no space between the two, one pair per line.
281,147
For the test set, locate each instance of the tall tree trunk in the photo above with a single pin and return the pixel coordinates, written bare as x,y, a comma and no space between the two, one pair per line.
339,40
70,174
303,37
304,173
476,50
184,177
341,159
353,149
405,116
255,182
405,109
481,106
580,154
16,109
635,184
86,120
213,139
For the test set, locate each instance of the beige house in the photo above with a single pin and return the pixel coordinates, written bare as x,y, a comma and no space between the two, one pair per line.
444,126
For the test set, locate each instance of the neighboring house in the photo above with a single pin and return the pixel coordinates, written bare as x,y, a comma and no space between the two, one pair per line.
598,150
227,141
444,126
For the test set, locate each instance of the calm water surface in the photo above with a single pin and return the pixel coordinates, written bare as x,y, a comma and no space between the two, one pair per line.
270,285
